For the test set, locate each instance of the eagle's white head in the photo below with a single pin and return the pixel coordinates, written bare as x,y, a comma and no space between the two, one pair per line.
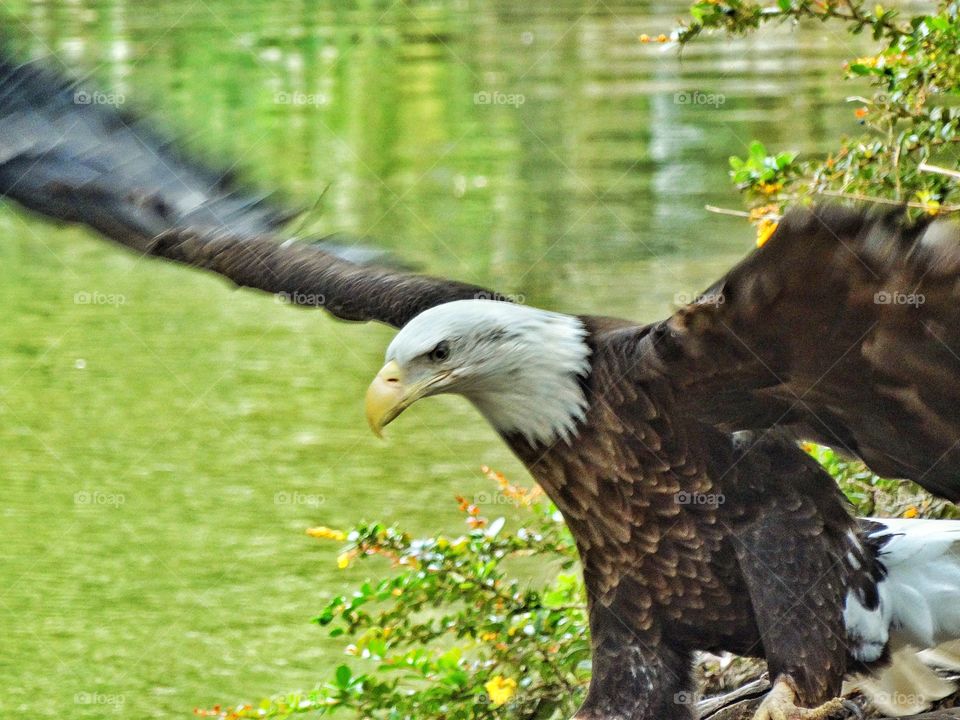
520,366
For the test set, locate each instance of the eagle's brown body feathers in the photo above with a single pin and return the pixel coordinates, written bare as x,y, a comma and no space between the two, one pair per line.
693,539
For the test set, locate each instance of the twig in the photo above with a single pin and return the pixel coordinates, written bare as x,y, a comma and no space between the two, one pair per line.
726,211
941,210
896,157
926,167
747,694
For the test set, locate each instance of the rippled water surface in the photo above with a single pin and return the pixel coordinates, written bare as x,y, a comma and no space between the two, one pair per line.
163,446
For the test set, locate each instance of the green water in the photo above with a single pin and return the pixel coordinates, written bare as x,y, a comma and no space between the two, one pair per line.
163,447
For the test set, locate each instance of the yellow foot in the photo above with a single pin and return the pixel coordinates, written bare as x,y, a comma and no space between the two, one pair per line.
780,704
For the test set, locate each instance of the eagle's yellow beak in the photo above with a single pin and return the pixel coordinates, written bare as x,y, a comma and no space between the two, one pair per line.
386,397
390,394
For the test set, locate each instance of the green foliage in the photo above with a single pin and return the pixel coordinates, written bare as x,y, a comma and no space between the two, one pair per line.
455,629
759,170
909,110
872,495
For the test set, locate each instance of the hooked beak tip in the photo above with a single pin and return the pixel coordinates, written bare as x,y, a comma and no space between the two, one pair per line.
385,398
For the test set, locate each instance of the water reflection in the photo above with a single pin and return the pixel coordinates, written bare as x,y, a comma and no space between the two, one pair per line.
541,147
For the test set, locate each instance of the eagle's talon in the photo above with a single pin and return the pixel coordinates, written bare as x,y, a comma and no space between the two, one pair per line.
780,704
853,709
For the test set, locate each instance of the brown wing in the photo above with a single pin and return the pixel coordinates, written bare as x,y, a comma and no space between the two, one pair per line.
68,156
796,546
845,326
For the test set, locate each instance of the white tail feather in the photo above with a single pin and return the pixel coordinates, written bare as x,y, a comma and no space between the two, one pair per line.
922,587
919,610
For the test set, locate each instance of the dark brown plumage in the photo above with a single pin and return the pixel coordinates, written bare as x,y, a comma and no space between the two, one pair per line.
737,567
700,523
844,327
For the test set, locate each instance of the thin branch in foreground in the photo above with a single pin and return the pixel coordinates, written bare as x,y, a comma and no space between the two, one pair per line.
936,169
726,211
941,210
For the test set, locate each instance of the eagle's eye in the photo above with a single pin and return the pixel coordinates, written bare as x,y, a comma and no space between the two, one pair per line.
441,352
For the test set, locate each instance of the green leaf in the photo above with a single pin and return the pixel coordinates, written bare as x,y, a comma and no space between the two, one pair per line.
343,675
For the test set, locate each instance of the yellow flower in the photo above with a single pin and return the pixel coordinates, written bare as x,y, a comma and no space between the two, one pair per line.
326,533
765,229
764,211
911,512
488,636
343,562
769,188
867,61
500,689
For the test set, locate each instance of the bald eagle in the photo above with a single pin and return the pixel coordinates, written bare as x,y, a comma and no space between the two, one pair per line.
670,448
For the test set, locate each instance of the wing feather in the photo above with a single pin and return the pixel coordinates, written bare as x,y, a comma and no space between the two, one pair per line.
845,326
89,163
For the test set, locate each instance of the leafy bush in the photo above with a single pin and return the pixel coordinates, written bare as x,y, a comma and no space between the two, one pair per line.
458,630
908,150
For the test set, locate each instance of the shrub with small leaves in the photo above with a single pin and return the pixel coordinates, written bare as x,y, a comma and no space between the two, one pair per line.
910,112
457,630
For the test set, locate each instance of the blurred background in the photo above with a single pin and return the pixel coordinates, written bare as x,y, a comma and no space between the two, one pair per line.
165,439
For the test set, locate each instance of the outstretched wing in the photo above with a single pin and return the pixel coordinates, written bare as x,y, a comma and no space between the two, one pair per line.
845,326
68,156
